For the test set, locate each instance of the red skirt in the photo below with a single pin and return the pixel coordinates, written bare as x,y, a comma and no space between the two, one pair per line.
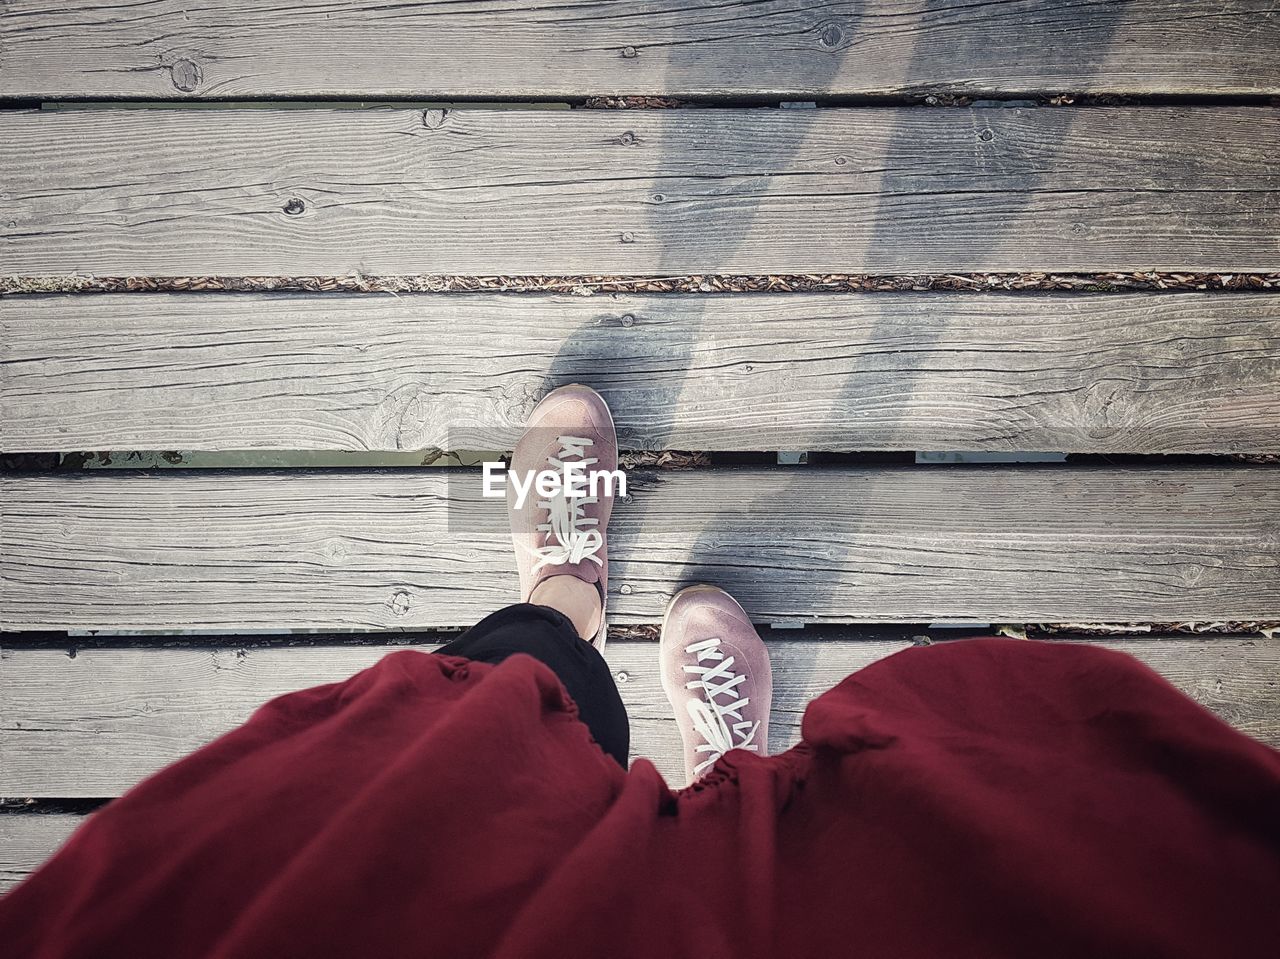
979,798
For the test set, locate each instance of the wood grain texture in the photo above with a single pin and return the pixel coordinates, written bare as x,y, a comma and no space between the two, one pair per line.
26,841
417,549
93,725
1076,373
229,48
333,192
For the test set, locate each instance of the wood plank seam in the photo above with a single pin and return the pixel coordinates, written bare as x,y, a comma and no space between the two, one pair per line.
585,284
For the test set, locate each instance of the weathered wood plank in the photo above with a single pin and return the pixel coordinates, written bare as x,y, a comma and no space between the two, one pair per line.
303,192
1078,373
416,549
26,841
93,725
231,48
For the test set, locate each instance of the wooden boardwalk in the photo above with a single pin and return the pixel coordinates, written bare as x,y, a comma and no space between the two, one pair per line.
134,710
788,48
330,192
411,549
159,146
1080,373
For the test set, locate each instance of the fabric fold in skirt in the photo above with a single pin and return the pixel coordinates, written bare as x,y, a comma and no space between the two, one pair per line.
974,798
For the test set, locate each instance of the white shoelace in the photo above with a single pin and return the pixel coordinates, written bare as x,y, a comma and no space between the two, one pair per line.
570,536
709,715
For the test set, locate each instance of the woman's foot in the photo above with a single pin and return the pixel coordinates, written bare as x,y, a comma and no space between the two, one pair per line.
560,540
715,671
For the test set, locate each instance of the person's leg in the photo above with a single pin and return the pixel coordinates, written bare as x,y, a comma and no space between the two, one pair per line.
560,540
575,598
550,637
562,562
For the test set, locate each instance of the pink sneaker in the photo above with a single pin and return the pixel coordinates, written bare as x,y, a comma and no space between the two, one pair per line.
715,671
561,534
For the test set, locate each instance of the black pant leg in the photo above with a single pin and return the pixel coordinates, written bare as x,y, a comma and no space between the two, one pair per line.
549,637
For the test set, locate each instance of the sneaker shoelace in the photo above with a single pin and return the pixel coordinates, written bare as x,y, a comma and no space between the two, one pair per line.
570,535
709,715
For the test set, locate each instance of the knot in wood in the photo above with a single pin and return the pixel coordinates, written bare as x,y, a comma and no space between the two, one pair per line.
399,602
831,36
186,75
